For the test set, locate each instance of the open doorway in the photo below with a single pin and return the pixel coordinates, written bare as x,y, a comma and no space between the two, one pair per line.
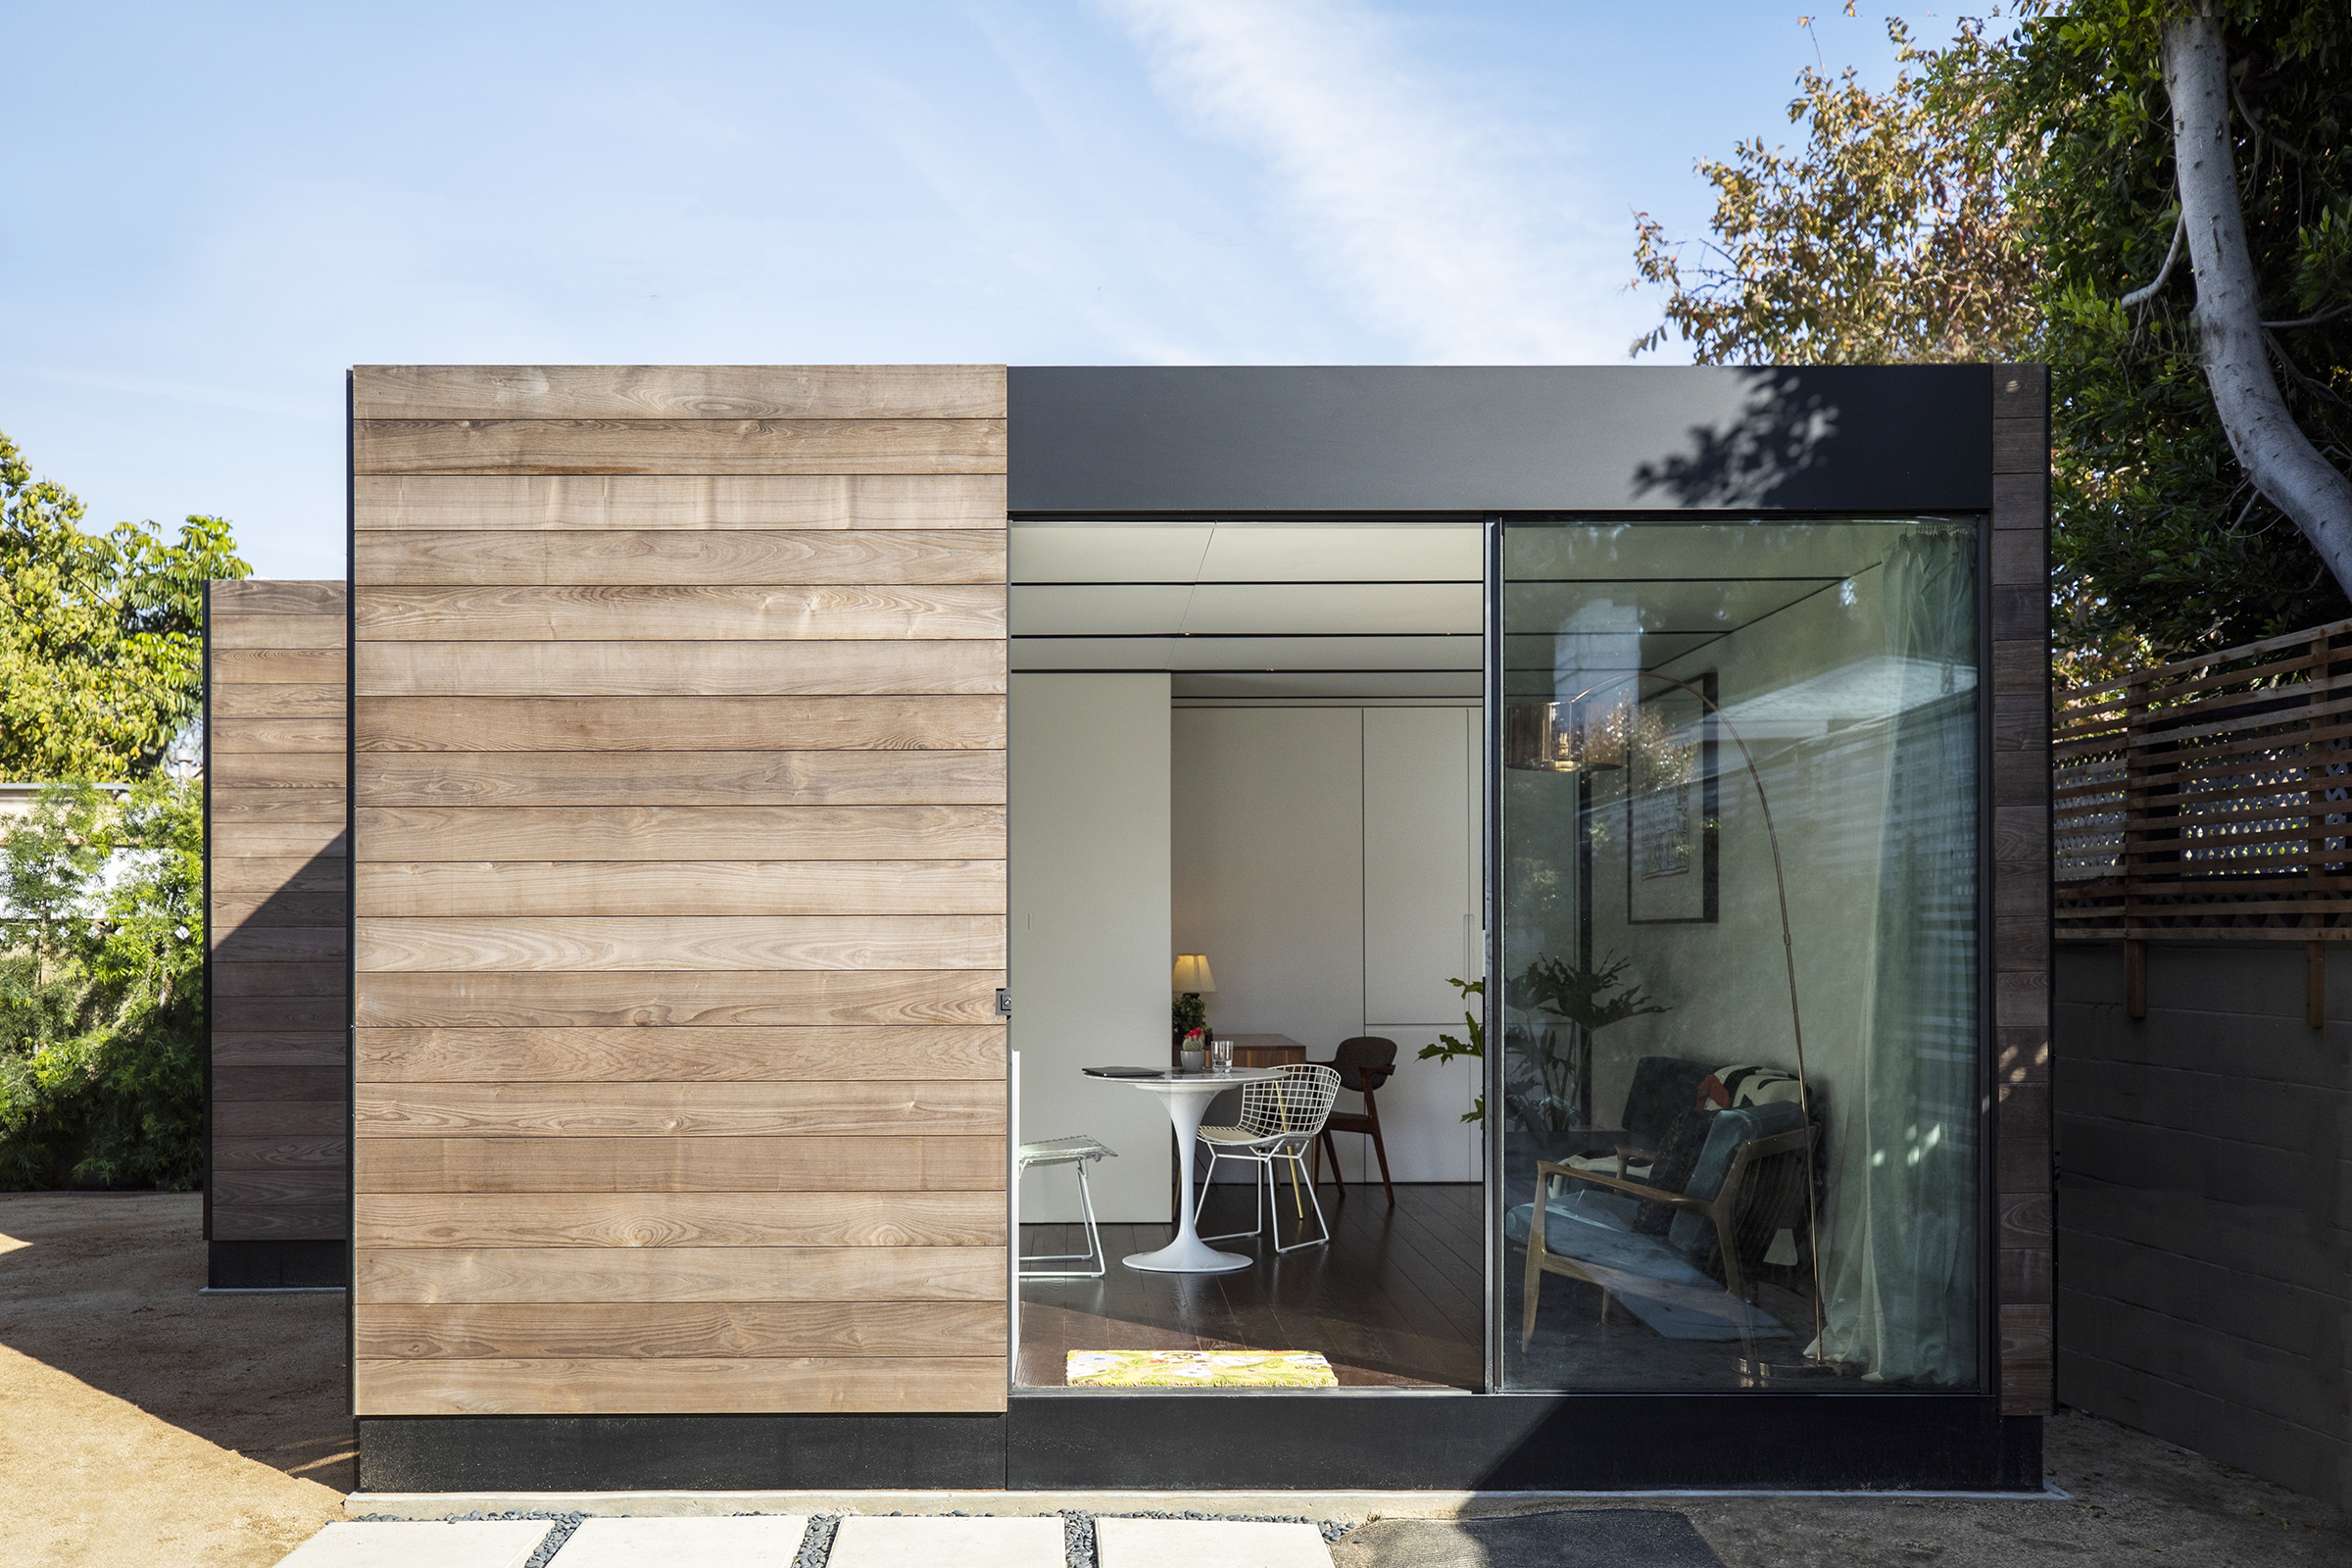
1255,743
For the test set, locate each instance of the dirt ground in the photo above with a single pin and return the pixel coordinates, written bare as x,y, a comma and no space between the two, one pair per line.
143,1424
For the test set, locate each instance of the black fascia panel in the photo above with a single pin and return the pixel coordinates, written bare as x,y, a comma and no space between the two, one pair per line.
1240,440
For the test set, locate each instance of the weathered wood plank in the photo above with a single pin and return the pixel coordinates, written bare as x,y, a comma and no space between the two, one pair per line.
274,737
316,1185
804,1110
677,723
278,666
678,391
276,1081
833,1385
233,909
940,613
277,700
279,944
277,980
677,557
785,998
279,1119
421,1275
929,1163
277,599
280,770
683,833
267,1014
680,1219
295,1151
677,446
650,779
279,1048
2026,1359
676,669
322,634
644,1331
509,503
502,888
232,809
274,839
273,874
676,1055
278,1222
675,944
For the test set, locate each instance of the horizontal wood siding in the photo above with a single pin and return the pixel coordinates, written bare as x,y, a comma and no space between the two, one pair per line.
278,901
679,841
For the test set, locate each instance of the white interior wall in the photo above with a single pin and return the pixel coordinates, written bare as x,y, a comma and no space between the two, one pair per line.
1088,793
1326,860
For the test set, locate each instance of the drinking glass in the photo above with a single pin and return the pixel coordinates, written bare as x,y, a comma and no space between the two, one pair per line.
1220,1055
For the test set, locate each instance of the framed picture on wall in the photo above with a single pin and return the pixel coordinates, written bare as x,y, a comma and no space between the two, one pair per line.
1672,853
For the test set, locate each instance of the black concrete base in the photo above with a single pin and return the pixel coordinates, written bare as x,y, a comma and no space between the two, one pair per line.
1217,1442
273,1265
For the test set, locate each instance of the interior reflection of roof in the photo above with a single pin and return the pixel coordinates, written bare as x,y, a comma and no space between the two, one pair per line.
1345,608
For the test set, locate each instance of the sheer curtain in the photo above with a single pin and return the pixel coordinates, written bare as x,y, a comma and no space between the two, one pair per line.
1901,1268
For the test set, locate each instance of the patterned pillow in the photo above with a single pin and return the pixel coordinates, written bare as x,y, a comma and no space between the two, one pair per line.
1728,1088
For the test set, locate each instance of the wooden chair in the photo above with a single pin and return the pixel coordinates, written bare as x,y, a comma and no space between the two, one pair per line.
1363,1064
1713,1199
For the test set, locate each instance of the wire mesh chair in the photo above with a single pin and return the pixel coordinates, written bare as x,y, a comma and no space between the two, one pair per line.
1069,1152
1280,1120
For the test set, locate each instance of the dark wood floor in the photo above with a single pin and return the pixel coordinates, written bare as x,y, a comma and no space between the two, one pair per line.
1393,1301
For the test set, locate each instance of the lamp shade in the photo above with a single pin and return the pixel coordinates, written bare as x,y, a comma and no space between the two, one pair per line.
1192,974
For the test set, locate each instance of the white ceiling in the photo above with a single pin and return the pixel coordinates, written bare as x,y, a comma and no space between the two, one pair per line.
1340,611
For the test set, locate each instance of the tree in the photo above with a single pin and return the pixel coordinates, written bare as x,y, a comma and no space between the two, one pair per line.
2165,543
1889,238
101,652
101,988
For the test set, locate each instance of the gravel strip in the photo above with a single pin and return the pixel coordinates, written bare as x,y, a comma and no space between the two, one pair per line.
1077,1529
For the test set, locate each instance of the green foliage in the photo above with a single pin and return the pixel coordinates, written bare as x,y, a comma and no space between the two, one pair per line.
1889,237
1189,1013
1580,996
1450,1047
101,989
2163,548
101,635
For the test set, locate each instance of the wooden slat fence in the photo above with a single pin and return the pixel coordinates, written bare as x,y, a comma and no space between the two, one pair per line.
2209,800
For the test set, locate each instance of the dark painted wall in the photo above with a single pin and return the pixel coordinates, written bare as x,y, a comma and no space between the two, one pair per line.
1530,438
2204,1254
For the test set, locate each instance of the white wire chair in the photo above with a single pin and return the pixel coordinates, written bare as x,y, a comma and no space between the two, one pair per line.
1280,1120
1069,1152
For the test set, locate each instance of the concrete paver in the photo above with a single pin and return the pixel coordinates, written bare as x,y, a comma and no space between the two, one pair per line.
934,1542
412,1544
769,1541
1584,1537
1207,1543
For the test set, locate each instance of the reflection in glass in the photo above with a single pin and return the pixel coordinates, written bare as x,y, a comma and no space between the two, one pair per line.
1738,1033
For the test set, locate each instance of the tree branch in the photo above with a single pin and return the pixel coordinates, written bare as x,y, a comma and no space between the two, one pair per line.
2141,296
2309,320
2273,448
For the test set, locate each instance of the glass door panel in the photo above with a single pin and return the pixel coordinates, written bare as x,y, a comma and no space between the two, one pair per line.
1733,1038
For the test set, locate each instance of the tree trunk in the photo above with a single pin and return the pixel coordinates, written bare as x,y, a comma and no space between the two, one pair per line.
2269,446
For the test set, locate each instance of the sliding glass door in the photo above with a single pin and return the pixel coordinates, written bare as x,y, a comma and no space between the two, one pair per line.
1733,1058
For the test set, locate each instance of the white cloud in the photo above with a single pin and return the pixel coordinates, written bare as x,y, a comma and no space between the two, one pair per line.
1440,221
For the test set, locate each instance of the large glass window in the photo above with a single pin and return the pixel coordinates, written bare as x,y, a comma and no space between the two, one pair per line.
1736,1084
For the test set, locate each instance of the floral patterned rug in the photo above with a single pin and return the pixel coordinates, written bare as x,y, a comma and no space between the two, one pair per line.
1199,1369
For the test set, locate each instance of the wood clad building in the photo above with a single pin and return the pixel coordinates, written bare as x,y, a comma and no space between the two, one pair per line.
276,1200
679,799
679,843
276,1207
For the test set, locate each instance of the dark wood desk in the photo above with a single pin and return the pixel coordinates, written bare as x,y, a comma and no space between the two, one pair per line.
1264,1051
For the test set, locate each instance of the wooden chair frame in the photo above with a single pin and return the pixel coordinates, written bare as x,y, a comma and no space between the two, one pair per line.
1721,1210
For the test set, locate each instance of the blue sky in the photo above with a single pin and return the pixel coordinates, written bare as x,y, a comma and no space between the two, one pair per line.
215,210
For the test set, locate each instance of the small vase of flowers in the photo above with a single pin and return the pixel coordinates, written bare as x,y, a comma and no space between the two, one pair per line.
1193,1052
